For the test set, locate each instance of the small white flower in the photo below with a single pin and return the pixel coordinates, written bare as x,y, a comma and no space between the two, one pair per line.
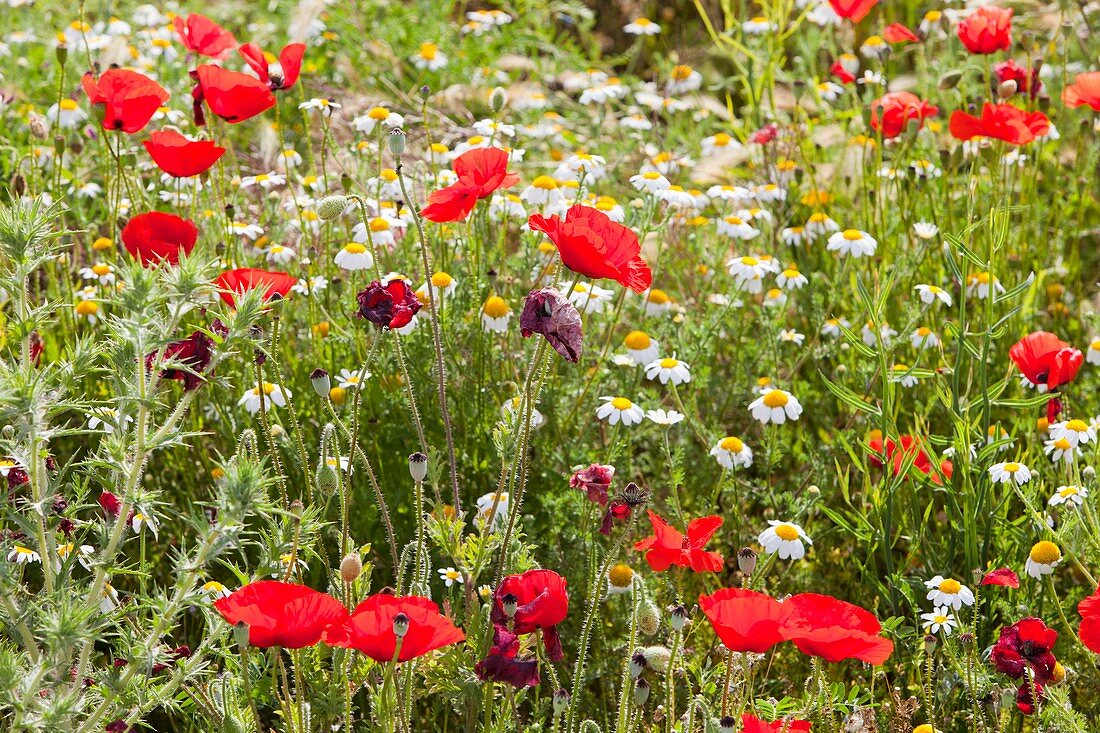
948,592
1072,496
350,380
941,619
273,395
776,406
642,27
852,242
108,419
731,452
215,590
668,370
320,104
1042,559
925,230
784,538
22,555
1003,473
485,509
450,576
619,409
665,418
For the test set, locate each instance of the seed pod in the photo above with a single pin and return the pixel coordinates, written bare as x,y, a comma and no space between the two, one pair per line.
418,466
350,567
332,206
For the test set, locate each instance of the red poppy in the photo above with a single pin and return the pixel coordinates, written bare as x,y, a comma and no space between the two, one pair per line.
856,10
840,70
369,628
247,278
668,547
541,601
595,481
392,305
194,353
1028,643
155,237
899,33
1085,90
281,614
591,244
203,36
1046,360
1027,80
823,626
280,75
1025,697
745,620
181,156
129,99
1000,121
765,134
480,172
911,454
110,504
1003,577
1089,609
892,112
987,30
231,95
753,724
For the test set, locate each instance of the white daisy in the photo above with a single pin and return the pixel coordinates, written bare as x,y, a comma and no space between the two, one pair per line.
450,576
948,592
777,406
619,409
1042,559
1073,496
665,418
941,619
1003,473
784,538
731,452
668,370
852,242
273,395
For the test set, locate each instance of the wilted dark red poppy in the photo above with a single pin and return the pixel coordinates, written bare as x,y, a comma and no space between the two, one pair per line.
156,236
129,99
203,36
194,353
548,312
1027,80
370,628
668,547
892,112
232,95
1000,121
855,10
109,503
1084,91
899,33
1046,360
281,614
541,602
594,481
1025,697
244,279
835,630
1089,608
480,172
745,620
181,156
591,244
392,305
1002,576
752,724
282,74
986,30
503,663
1028,643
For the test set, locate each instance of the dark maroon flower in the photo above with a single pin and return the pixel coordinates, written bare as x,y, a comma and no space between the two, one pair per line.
117,726
1025,700
391,305
194,353
66,527
620,508
110,503
502,663
595,481
17,476
547,312
37,347
1026,643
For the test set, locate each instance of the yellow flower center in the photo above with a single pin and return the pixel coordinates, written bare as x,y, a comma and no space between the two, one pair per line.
660,297
354,248
388,174
636,341
87,308
1068,491
853,235
102,243
786,532
776,398
337,395
1062,444
621,403
1078,426
759,19
546,183
669,363
442,280
101,269
773,294
428,51
750,261
643,22
1045,553
681,72
923,331
476,140
731,444
495,307
949,586
378,113
620,575
763,381
721,140
378,224
1012,467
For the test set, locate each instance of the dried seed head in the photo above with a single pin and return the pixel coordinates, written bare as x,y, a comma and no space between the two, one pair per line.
240,634
400,625
678,617
746,560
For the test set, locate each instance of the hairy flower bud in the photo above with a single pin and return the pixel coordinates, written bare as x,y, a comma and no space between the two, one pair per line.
332,206
561,700
350,567
649,618
328,481
418,466
641,691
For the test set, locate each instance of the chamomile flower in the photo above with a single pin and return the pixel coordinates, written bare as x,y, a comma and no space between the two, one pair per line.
641,348
736,227
776,406
84,555
495,315
784,538
939,619
215,590
852,242
442,283
314,284
108,598
832,327
348,379
619,409
543,191
657,302
790,336
1076,432
903,375
266,181
948,592
516,410
273,394
21,555
366,122
774,298
589,297
791,278
757,26
642,27
981,283
829,91
101,272
820,223
1042,559
66,114
930,294
1003,473
668,370
684,79
751,268
732,452
620,578
924,338
1060,449
649,182
717,142
142,520
354,256
871,337
107,419
486,514
664,418
450,576
279,254
1072,496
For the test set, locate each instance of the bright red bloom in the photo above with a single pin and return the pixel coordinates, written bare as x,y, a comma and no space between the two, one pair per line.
1089,609
1027,80
246,278
856,10
752,724
277,76
1046,360
203,36
1000,121
823,626
231,95
1025,697
668,547
892,112
765,134
745,620
899,33
1085,90
392,305
129,99
842,72
110,503
987,30
911,450
281,614
1026,643
591,244
181,156
542,602
480,172
1002,576
369,628
155,237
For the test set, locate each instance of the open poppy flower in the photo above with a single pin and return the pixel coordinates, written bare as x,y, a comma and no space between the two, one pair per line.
181,156
542,602
232,95
855,10
826,627
389,305
911,453
1084,91
668,547
1000,121
752,724
203,36
892,112
1028,643
899,33
281,614
745,620
1002,576
987,30
1046,360
129,99
480,172
591,244
369,628
244,279
194,352
282,74
156,236
1089,609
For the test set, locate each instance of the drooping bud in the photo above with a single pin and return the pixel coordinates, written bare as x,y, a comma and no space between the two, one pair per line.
679,617
746,560
497,99
350,567
321,382
328,481
561,700
641,691
240,634
397,142
637,665
418,466
332,206
400,625
649,619
1007,88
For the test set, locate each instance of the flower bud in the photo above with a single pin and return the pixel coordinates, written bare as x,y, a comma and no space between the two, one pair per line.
561,700
679,617
320,381
39,125
240,634
350,567
637,664
418,466
498,99
657,657
950,80
726,724
641,691
746,560
297,508
61,53
397,142
1006,88
425,92
328,481
509,604
332,206
649,619
400,625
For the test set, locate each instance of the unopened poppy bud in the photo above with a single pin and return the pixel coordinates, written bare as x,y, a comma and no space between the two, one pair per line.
649,619
59,145
320,381
746,560
726,724
400,625
40,126
397,142
509,604
1007,88
679,617
418,466
240,634
1088,473
498,99
656,657
641,691
350,567
296,508
561,700
61,53
637,665
332,206
950,80
930,643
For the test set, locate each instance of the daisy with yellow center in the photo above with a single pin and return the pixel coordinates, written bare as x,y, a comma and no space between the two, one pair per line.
852,243
1060,449
1003,473
948,592
775,406
791,278
641,348
731,452
1071,496
820,223
1042,559
736,227
924,338
21,555
649,181
784,538
657,302
940,619
443,284
450,576
215,590
620,578
429,57
354,256
642,27
273,394
543,191
615,410
668,370
1077,432
495,315
903,375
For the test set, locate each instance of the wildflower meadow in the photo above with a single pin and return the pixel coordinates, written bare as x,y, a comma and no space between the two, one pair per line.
606,366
